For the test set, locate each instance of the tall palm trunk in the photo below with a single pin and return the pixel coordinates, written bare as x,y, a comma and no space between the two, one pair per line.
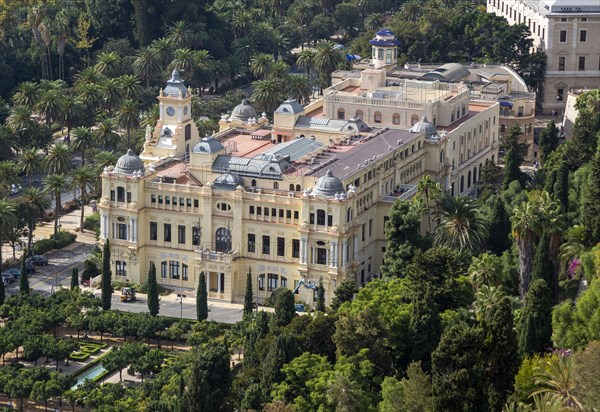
526,252
56,215
30,235
82,203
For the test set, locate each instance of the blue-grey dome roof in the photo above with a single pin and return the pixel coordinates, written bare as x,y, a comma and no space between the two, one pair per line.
208,145
424,126
328,185
228,181
175,86
129,163
242,112
290,106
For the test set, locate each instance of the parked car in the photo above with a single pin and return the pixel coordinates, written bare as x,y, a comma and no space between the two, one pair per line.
11,274
37,260
29,266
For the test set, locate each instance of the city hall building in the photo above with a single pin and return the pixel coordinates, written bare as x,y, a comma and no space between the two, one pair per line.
295,202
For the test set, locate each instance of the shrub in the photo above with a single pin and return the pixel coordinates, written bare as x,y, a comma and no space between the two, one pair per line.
90,269
43,246
79,356
92,222
64,238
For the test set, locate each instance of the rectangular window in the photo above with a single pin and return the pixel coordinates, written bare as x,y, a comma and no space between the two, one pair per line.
281,213
274,212
312,218
377,117
388,56
121,269
583,36
283,282
370,227
562,36
261,282
184,271
174,201
581,63
174,269
167,232
296,214
152,198
120,194
196,235
121,231
560,95
153,231
280,246
296,248
128,197
272,282
188,202
251,243
266,211
266,245
259,211
251,210
181,234
160,199
329,220
321,256
363,232
196,203
163,269
112,195
182,201
561,63
167,200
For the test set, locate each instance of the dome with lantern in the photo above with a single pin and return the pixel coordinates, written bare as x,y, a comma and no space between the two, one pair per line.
129,163
328,185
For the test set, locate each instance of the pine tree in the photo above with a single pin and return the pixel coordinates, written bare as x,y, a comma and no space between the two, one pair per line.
210,379
543,268
561,186
548,140
74,278
535,327
458,371
425,327
502,356
248,297
153,300
202,299
24,279
591,203
321,297
106,277
512,169
499,239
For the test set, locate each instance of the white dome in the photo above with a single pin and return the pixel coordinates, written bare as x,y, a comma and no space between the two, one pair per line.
242,112
129,163
424,126
208,145
328,185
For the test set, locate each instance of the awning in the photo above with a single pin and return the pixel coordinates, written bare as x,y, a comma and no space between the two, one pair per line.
507,104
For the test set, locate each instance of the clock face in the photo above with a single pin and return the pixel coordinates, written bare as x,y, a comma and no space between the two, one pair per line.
185,110
170,111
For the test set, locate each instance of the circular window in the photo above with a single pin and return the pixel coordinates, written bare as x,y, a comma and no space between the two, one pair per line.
224,207
185,110
320,243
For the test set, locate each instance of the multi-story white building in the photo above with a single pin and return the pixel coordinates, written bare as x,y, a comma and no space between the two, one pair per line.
567,31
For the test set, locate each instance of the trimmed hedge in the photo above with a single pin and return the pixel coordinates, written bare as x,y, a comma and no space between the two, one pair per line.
64,238
79,356
92,222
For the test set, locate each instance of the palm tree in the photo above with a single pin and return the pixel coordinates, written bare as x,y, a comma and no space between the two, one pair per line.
58,159
71,114
104,159
129,117
35,203
556,378
90,94
267,94
218,69
485,270
26,94
89,75
163,49
62,29
180,35
108,64
299,88
280,71
461,225
524,225
84,140
147,64
50,103
111,94
245,48
35,18
130,86
487,300
22,124
281,45
327,59
411,10
8,141
428,189
8,177
30,162
105,134
8,219
54,185
184,60
82,179
306,59
261,65
373,21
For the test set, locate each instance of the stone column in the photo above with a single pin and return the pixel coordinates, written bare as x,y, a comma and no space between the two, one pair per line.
344,252
104,225
219,282
334,255
355,247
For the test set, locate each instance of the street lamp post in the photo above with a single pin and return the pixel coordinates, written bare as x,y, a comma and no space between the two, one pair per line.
180,296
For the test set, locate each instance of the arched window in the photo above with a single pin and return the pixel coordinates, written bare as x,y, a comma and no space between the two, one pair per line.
275,185
396,118
223,240
469,180
377,117
502,128
298,188
359,114
291,186
253,183
321,217
341,114
414,119
475,175
349,215
462,184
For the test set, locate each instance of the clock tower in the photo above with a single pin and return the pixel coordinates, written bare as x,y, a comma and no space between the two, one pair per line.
175,131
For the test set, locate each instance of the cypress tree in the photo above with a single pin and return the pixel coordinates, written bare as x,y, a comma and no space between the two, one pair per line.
74,278
248,297
548,141
284,308
535,327
24,279
561,186
2,293
502,356
153,300
543,268
591,203
424,328
550,181
201,299
321,297
500,228
512,169
106,277
458,371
